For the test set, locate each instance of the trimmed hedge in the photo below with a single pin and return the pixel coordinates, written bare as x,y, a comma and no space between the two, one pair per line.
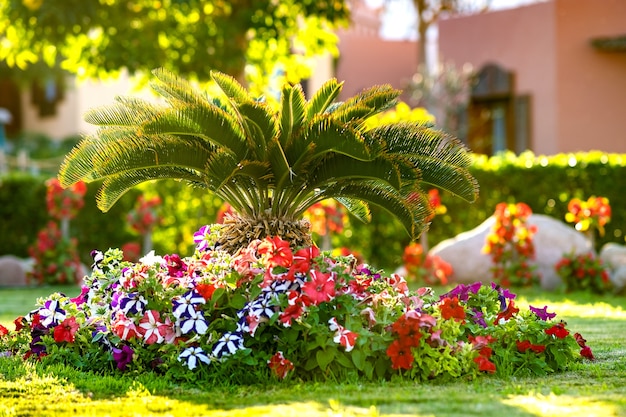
546,184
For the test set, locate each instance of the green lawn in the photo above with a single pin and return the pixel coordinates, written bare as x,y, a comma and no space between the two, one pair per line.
590,389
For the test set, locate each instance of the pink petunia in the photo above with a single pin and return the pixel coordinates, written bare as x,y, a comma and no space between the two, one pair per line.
124,327
320,288
151,328
276,251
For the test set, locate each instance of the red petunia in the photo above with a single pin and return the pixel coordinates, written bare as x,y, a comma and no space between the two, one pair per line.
277,251
206,290
558,330
400,355
320,288
506,315
450,308
3,330
523,346
484,364
65,331
279,365
302,260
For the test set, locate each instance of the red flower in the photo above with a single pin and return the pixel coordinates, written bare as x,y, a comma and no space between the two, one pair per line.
558,330
320,288
65,331
279,365
450,308
206,290
408,329
400,355
3,330
586,353
277,251
508,312
525,345
19,322
344,337
484,364
302,260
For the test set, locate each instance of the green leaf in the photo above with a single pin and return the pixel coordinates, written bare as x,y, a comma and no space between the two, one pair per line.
324,357
323,98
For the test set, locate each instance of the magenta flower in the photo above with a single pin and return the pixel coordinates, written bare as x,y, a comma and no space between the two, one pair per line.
123,357
542,313
201,238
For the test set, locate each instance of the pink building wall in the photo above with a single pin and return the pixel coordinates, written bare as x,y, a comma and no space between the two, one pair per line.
577,93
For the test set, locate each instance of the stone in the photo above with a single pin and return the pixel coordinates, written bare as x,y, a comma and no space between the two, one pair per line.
552,241
12,271
613,256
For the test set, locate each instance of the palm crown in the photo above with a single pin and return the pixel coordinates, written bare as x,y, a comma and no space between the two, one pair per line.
271,164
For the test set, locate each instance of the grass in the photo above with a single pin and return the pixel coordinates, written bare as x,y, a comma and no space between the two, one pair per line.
589,389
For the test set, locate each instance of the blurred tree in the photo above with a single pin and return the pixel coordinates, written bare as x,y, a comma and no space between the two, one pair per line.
98,38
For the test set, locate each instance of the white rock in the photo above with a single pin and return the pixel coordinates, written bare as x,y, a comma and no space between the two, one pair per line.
552,241
613,256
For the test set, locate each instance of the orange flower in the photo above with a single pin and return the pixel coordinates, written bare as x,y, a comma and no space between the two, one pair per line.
450,308
277,251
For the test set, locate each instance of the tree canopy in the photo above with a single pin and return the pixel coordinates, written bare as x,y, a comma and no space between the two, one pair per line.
98,38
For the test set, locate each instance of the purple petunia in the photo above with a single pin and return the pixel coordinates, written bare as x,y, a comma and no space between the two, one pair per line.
123,357
51,314
192,356
201,238
187,304
194,322
131,303
228,344
542,313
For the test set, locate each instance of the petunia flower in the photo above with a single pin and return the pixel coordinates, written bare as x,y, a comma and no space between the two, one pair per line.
124,327
131,303
277,252
321,287
192,356
506,315
279,365
194,322
3,330
344,337
66,330
82,297
227,345
202,238
51,314
452,309
302,260
151,328
558,330
542,313
484,364
123,357
400,354
187,304
523,346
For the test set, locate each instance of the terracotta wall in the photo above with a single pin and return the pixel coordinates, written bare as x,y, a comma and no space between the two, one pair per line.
368,60
592,84
577,93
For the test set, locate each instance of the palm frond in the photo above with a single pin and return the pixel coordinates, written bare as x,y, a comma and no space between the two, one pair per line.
292,113
338,167
127,111
234,91
176,89
378,99
441,159
358,208
323,98
208,122
259,125
116,186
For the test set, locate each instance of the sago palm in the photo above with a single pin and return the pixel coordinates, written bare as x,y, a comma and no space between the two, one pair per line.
271,164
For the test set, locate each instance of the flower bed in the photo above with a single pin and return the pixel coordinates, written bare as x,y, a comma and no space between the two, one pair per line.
270,311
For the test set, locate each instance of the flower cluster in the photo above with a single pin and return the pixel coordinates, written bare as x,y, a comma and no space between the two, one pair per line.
584,272
594,213
427,268
56,259
511,247
64,203
145,215
270,311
